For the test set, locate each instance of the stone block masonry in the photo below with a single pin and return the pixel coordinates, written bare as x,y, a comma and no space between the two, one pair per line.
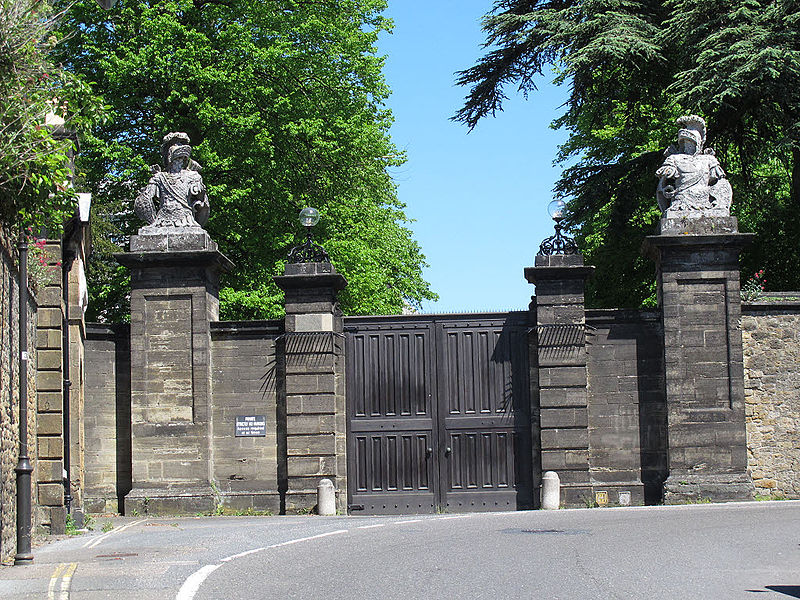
771,342
173,301
244,384
698,279
107,419
312,402
559,373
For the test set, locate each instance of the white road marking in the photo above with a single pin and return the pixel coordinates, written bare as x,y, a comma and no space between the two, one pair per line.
453,517
241,554
408,521
371,526
194,581
95,541
305,539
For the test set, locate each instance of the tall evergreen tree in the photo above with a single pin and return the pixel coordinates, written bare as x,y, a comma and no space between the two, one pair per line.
632,67
284,102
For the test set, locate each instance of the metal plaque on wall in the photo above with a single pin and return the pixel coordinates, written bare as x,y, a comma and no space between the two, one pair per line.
251,426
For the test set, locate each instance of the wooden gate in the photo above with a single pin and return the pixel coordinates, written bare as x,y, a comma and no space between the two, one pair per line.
438,413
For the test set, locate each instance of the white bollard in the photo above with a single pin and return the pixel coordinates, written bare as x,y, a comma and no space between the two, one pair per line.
551,491
326,498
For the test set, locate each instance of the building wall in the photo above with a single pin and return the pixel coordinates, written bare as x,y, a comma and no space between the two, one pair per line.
9,394
771,343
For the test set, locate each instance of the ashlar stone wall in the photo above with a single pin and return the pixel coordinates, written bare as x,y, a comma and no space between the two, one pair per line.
771,341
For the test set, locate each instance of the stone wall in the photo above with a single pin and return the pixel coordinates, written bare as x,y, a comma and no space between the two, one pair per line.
771,340
9,398
244,469
107,418
244,375
627,404
49,480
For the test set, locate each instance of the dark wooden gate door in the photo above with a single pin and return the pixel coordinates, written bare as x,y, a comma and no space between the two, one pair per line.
438,413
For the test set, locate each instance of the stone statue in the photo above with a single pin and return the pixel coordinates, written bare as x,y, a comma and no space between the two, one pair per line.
691,182
182,197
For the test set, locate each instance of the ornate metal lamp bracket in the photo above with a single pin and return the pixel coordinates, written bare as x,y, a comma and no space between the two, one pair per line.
558,243
308,251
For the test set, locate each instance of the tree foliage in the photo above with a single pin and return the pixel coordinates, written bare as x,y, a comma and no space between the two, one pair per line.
39,102
284,102
632,67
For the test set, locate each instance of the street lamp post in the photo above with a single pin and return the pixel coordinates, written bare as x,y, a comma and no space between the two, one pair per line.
24,467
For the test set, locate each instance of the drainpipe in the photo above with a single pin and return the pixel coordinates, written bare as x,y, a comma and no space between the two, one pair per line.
24,467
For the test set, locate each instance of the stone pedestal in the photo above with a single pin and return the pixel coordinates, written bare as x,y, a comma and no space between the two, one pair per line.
313,400
698,281
560,355
174,296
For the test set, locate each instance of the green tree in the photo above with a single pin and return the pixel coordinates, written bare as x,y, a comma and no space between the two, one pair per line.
632,67
284,101
39,103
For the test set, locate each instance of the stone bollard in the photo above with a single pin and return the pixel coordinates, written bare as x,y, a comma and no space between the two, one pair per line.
551,491
326,498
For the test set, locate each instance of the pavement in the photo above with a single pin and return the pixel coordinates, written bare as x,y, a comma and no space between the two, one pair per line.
726,551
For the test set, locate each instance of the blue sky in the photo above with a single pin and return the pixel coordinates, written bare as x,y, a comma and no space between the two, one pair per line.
479,199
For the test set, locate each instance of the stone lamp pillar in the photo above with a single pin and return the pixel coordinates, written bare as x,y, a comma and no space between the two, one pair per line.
698,282
174,296
560,356
313,403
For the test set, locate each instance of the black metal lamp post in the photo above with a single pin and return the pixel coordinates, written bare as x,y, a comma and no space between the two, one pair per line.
308,251
558,243
24,467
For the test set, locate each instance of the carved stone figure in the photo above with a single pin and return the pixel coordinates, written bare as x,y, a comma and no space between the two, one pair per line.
691,182
179,190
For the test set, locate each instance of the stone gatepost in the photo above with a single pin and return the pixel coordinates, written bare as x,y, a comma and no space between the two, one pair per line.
313,403
698,282
560,356
174,296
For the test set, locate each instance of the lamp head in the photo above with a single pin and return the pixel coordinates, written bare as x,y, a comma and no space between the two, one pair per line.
309,217
557,209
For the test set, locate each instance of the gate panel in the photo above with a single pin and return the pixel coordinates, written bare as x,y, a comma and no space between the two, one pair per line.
438,413
484,409
391,441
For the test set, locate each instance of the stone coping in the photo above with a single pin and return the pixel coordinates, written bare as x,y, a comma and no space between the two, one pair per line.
179,257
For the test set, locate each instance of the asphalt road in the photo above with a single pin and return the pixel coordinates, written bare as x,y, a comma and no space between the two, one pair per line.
700,551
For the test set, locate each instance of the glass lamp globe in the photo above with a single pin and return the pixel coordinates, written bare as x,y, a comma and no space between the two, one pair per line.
309,217
556,209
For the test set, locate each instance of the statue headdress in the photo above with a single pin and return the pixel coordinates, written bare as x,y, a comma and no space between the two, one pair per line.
693,126
170,140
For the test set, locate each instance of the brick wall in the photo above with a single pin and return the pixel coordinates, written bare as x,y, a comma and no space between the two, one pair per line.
9,398
107,418
771,341
627,405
